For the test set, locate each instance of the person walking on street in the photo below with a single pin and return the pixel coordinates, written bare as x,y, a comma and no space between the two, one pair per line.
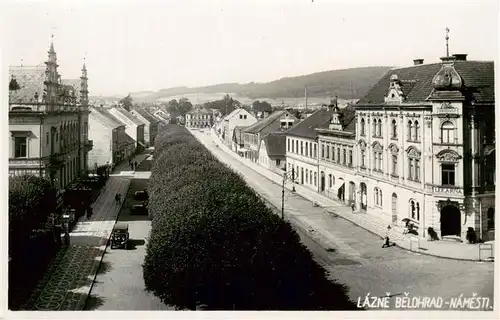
386,242
131,165
66,238
353,207
89,212
135,166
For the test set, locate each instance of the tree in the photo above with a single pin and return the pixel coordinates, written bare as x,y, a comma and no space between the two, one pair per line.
214,242
263,106
184,106
126,102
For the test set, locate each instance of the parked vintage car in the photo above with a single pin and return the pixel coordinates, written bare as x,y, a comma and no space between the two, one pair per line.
139,209
120,236
141,195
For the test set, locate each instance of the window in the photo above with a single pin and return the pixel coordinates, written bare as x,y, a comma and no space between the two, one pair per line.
491,219
338,154
315,178
377,192
379,128
350,158
409,129
297,145
307,175
333,181
288,145
302,148
244,116
394,164
47,138
410,169
310,149
290,124
241,116
293,146
394,129
344,156
448,174
322,150
20,145
374,133
363,158
414,210
375,162
417,169
315,151
328,152
330,181
307,149
447,132
278,162
417,131
333,153
362,126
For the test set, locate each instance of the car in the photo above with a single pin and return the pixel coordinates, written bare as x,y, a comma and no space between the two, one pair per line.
141,195
139,209
120,236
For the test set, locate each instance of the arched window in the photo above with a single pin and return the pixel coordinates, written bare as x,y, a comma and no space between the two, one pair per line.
363,158
374,133
394,127
322,150
417,131
447,132
379,130
412,209
362,126
395,164
330,181
409,129
413,164
418,211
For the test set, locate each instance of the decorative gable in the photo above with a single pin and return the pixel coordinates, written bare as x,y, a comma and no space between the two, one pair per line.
335,123
395,93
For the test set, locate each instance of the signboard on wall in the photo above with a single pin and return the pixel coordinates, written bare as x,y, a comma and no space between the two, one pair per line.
450,191
446,108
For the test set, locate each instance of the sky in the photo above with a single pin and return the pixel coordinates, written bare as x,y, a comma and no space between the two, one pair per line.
132,46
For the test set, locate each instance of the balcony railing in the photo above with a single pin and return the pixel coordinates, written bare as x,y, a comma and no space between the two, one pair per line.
24,161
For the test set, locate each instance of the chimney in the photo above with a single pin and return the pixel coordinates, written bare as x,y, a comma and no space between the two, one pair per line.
417,62
460,56
450,58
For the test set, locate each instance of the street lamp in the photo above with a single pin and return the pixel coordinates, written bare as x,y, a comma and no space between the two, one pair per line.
286,176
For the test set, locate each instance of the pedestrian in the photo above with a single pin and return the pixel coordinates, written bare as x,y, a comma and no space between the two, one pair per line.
89,212
66,238
135,165
131,165
387,243
353,206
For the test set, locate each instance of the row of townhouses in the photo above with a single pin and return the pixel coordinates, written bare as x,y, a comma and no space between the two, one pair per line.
420,146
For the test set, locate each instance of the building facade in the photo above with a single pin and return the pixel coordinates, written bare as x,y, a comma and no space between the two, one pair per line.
278,121
150,124
272,153
425,147
199,118
133,126
48,123
238,117
111,143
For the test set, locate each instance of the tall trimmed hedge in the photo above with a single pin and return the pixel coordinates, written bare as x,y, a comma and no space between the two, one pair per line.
214,242
31,245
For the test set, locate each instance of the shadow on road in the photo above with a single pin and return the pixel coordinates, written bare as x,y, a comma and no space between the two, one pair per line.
134,243
104,267
93,302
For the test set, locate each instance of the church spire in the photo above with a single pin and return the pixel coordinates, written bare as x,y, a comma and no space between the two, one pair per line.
51,76
84,92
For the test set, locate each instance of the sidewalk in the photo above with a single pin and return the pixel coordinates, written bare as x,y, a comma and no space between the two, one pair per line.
444,249
69,280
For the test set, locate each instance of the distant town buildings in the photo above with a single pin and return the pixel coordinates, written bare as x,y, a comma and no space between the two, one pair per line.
150,122
199,118
134,127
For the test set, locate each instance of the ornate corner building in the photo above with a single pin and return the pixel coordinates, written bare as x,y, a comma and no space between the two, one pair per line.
48,123
425,143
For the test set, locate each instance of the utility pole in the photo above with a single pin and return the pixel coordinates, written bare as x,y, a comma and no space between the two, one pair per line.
305,91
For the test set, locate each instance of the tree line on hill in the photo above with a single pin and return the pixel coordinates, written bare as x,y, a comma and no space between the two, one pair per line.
214,242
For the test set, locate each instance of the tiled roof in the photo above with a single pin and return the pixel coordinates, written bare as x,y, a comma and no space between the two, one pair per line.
129,115
146,115
306,127
265,123
199,110
275,144
104,114
478,81
124,138
30,81
75,83
238,134
347,117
